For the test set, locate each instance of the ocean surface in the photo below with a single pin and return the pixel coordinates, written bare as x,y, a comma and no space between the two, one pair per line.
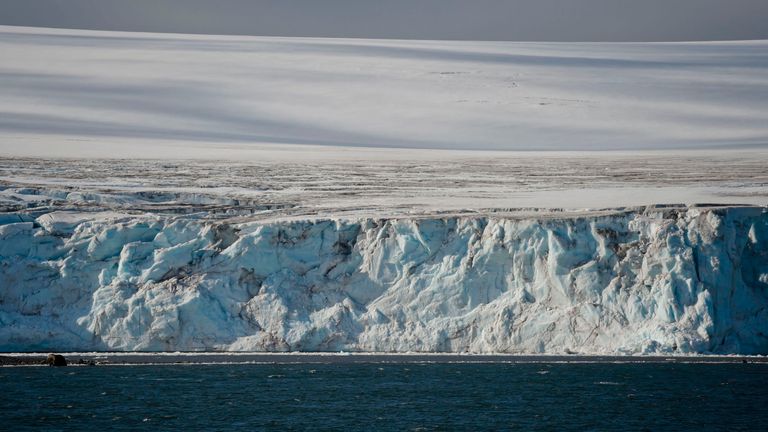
387,396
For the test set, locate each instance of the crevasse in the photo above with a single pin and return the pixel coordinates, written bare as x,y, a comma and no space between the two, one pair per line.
648,280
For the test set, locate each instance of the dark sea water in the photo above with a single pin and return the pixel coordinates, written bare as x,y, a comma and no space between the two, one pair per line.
376,396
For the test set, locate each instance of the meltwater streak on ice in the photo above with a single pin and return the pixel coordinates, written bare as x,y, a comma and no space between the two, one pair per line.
678,280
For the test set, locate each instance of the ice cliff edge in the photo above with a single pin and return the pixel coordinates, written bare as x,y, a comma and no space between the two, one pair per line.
651,280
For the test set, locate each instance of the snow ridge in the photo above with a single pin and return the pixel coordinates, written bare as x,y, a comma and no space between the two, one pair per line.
649,280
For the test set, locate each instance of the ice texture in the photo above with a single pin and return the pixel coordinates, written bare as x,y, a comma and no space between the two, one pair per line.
643,280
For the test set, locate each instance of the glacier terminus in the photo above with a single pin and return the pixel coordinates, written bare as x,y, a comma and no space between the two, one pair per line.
644,280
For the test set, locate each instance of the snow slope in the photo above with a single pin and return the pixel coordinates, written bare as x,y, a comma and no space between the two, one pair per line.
86,93
648,280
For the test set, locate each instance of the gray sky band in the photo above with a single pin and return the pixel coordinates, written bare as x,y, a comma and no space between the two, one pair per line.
522,20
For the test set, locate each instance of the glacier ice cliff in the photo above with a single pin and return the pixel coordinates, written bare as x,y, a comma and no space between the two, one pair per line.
644,280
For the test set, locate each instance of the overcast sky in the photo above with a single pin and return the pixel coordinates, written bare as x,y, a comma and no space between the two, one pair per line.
545,20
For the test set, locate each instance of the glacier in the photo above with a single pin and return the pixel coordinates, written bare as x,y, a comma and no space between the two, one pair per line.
231,193
651,279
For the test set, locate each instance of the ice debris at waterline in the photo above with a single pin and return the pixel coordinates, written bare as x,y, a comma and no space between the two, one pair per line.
647,280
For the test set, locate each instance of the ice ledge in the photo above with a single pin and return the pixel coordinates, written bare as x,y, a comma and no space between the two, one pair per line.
659,279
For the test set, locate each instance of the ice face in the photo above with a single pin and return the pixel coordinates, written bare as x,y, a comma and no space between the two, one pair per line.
651,280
